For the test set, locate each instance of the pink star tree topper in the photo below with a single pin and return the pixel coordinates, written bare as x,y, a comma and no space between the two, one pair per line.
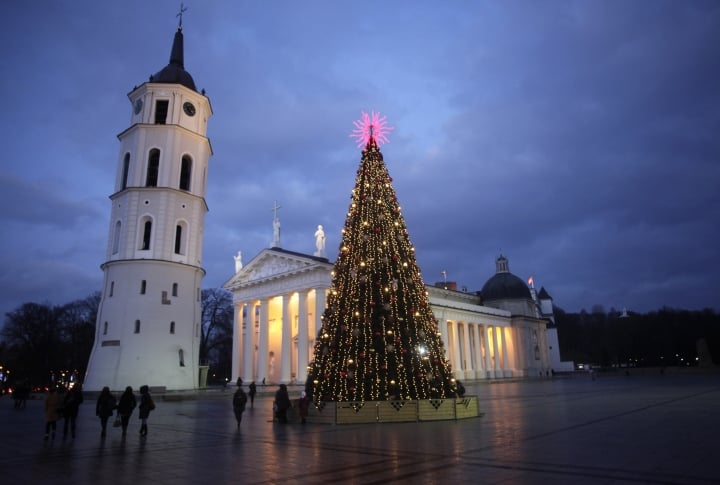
371,127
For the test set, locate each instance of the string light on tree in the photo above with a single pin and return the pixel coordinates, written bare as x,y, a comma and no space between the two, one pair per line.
379,338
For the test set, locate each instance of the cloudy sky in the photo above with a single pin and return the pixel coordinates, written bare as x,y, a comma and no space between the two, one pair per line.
579,138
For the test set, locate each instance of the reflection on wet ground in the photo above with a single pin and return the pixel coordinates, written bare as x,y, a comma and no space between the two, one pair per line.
660,429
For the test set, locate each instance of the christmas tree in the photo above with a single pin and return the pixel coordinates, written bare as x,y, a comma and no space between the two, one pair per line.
379,338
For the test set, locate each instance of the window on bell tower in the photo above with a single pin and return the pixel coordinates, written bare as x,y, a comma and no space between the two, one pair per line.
185,172
161,111
153,168
116,238
146,225
180,238
126,171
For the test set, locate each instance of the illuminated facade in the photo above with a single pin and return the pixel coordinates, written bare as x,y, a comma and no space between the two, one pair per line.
148,325
280,295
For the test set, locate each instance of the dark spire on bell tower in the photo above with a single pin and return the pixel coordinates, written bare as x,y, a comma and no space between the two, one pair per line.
174,72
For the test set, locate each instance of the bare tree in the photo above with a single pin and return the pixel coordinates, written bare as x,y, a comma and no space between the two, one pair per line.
217,329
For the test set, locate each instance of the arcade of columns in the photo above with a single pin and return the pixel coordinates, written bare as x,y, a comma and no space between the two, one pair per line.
275,332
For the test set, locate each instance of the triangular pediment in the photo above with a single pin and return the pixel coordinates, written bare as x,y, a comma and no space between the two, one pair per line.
275,263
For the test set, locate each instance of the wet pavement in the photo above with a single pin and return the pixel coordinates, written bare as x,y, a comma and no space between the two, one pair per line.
614,430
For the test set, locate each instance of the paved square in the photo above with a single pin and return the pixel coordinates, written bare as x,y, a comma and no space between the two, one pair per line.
661,429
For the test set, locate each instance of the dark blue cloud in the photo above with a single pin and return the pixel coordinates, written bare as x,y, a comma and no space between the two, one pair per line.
578,138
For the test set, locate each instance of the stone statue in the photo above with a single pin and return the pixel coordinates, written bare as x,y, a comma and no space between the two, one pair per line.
320,242
238,261
276,226
276,233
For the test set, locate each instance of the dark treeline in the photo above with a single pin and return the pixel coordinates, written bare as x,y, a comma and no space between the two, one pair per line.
39,341
667,337
45,344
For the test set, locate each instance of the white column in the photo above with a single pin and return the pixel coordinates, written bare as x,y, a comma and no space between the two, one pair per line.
249,343
286,342
236,369
454,350
262,369
467,355
302,337
476,350
505,361
496,346
520,344
486,346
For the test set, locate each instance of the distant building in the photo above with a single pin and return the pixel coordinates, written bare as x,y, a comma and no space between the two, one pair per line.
505,330
148,325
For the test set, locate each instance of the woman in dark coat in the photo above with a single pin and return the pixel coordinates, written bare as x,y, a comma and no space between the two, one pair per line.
282,403
104,408
71,406
146,405
126,405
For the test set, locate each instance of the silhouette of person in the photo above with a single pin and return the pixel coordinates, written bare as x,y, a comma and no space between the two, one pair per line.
239,402
146,405
282,403
52,404
71,406
125,408
104,408
252,391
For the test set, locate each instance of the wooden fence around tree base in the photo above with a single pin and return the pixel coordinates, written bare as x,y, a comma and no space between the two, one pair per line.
351,412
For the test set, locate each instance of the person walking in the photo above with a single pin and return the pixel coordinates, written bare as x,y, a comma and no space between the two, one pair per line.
146,405
303,406
52,404
252,390
282,403
125,407
71,406
239,401
104,408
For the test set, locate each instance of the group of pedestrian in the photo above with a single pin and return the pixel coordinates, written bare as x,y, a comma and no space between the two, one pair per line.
281,404
61,403
66,404
107,404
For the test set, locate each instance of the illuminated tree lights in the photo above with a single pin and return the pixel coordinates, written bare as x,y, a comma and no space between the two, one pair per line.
379,338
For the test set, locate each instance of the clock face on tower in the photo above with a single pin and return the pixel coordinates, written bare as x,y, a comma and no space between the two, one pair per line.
138,105
189,109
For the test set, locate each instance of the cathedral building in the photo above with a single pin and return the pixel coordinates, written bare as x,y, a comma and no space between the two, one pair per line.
148,324
505,330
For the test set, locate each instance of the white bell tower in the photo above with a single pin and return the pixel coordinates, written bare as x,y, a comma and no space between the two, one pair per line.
148,325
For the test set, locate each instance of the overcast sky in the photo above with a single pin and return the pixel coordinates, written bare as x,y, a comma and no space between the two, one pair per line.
579,138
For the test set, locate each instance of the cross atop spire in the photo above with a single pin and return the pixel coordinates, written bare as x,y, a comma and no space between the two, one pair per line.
183,9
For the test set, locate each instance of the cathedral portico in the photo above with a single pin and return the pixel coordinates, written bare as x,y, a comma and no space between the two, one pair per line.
279,298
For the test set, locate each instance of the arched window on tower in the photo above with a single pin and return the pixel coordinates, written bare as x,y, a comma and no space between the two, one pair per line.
174,289
181,356
147,233
153,168
126,171
185,172
116,238
179,246
137,326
